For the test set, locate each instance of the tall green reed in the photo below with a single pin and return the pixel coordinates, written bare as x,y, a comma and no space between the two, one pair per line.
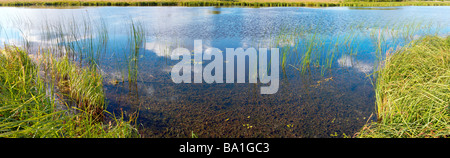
304,48
82,40
28,110
136,42
412,92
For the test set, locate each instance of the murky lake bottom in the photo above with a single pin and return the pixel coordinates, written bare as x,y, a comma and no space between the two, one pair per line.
333,96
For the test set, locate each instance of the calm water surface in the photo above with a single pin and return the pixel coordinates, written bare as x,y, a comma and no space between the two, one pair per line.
332,95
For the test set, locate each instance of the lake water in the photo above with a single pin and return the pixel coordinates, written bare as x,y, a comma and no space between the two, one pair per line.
325,80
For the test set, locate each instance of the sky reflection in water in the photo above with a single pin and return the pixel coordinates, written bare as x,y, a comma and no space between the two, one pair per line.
317,102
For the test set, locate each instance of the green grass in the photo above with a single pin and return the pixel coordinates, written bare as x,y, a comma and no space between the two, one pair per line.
84,86
29,109
304,48
392,4
136,41
413,92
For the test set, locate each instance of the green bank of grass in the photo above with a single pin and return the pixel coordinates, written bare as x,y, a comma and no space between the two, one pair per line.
83,86
29,108
194,3
413,92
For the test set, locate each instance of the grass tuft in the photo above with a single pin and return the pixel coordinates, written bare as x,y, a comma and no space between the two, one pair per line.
413,92
29,109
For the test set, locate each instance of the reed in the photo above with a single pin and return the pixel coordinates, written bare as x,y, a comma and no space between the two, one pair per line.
305,48
136,42
413,92
83,39
84,86
393,37
28,109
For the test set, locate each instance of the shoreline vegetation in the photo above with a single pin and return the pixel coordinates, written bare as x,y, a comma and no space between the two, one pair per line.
33,108
413,92
412,96
226,3
51,95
